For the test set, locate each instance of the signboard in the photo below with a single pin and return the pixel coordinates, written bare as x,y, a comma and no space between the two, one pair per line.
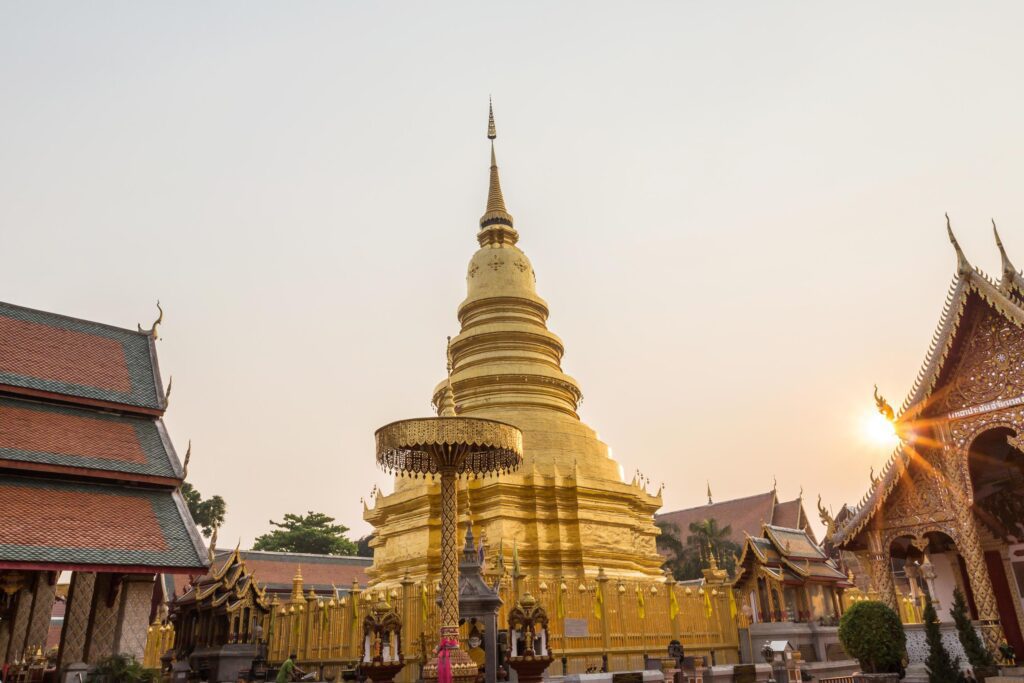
628,677
987,407
576,628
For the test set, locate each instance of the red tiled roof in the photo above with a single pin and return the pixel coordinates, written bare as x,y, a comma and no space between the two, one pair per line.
77,519
70,438
742,514
63,524
46,352
64,434
324,574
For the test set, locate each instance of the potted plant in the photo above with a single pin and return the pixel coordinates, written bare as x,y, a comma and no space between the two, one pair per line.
871,633
121,669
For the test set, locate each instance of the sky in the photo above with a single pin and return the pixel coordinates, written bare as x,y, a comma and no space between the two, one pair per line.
735,211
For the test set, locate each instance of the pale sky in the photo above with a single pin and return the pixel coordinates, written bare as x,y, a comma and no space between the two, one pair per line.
735,212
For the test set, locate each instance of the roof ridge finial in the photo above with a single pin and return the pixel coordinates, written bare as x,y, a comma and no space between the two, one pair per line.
709,493
496,223
962,264
1008,268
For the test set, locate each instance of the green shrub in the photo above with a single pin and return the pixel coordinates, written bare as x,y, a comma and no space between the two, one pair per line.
121,669
942,667
980,658
871,633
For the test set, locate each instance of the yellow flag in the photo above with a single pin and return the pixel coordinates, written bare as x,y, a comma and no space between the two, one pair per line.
673,603
707,603
560,604
732,604
424,602
599,603
641,608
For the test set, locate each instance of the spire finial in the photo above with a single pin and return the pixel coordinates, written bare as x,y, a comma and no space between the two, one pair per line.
963,266
709,493
496,223
492,132
446,406
1008,268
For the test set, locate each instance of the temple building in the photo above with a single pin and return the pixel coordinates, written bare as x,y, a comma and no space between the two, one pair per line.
89,485
946,511
567,510
746,516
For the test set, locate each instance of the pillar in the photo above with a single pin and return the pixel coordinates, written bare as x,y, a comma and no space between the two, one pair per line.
42,610
19,624
133,615
954,462
106,606
76,619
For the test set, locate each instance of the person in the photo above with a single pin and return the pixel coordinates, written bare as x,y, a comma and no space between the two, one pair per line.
288,671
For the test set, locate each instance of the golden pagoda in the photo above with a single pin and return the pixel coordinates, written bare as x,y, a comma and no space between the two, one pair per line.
566,512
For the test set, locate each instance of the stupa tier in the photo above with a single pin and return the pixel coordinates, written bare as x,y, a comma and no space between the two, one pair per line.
566,512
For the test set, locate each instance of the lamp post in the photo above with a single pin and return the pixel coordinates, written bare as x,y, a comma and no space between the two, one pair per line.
450,447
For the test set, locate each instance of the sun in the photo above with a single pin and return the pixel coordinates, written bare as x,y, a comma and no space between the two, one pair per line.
878,430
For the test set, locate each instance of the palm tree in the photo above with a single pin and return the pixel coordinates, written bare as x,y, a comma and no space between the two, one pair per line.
705,535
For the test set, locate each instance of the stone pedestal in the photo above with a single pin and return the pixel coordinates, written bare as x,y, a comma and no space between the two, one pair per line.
223,664
530,669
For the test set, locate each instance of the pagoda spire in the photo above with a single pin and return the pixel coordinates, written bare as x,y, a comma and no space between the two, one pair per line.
496,223
962,264
1008,268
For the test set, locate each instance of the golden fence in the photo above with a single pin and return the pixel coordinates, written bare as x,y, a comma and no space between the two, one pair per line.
588,621
621,620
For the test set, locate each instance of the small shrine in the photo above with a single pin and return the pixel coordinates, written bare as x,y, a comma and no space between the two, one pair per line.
785,576
528,639
220,622
382,643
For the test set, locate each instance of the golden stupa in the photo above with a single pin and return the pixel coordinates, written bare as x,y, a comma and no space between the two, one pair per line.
566,512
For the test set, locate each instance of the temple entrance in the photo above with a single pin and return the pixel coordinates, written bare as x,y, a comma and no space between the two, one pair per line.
928,568
996,466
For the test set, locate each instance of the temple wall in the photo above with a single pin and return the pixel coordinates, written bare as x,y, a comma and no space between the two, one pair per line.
946,569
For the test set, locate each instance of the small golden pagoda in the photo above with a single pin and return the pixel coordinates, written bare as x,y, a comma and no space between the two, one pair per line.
566,511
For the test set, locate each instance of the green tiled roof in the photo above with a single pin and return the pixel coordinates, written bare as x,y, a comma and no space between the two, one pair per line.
102,432
71,523
130,354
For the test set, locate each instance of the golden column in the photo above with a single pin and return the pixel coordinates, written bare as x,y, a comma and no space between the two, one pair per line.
449,446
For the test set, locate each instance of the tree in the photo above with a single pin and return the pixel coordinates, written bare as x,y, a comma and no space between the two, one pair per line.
942,667
687,560
208,513
978,655
363,548
313,532
871,632
669,544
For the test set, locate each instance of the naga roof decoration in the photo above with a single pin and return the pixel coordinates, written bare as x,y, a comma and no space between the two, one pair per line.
968,282
82,361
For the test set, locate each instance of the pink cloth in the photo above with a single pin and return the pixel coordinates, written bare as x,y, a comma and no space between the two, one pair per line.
444,662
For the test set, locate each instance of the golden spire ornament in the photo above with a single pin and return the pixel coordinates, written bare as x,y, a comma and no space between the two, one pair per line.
496,223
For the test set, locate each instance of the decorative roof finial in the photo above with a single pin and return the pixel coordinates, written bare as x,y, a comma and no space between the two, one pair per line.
709,494
496,223
963,266
883,407
188,456
152,330
1008,269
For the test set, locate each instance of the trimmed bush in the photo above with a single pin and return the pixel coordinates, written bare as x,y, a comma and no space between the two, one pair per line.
872,634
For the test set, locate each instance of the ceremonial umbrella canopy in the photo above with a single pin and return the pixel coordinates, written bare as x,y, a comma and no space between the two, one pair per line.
449,447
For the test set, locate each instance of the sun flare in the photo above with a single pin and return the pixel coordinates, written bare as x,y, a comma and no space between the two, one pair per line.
878,430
